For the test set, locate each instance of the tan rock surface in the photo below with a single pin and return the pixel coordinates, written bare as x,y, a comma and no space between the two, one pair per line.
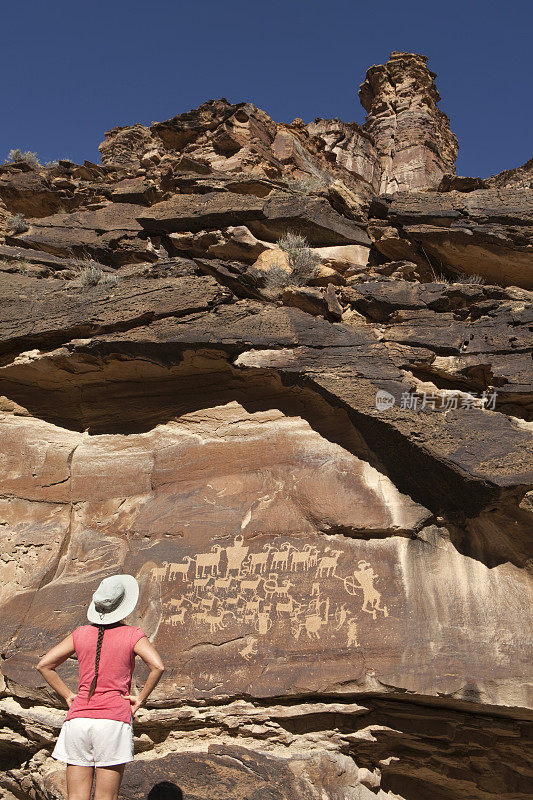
321,478
412,136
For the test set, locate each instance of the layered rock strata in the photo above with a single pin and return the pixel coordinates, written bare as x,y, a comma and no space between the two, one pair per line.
316,461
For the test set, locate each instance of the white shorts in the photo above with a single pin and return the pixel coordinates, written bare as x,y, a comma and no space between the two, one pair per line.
88,742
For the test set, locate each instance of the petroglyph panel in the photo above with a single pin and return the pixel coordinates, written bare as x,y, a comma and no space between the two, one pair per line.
281,585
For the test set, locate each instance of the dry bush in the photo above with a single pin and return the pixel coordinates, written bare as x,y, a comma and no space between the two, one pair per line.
90,276
309,184
28,157
93,275
17,223
303,261
465,277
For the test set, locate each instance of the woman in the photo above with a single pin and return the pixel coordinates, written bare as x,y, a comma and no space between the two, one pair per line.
97,734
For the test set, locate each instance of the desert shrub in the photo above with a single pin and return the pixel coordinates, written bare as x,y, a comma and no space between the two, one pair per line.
18,264
28,157
439,276
93,275
90,276
465,277
309,184
303,261
17,223
271,278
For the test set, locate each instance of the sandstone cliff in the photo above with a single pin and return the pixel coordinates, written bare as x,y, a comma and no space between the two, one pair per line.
314,454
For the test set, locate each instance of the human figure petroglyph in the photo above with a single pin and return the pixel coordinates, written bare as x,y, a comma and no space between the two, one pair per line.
352,633
208,561
312,606
263,622
325,605
316,604
340,616
236,554
328,564
365,576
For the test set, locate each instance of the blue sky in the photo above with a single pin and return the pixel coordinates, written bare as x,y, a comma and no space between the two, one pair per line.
71,70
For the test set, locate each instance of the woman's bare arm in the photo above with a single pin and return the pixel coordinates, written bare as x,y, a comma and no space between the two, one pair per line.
52,659
152,659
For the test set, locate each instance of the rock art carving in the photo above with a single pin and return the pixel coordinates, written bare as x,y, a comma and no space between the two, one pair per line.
271,587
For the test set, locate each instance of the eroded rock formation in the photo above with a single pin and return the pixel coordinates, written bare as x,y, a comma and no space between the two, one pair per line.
414,143
320,471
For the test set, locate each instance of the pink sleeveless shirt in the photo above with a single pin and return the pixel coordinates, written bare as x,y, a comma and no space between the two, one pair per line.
115,669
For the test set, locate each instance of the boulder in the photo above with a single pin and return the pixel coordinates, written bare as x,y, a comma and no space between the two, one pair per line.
29,193
234,242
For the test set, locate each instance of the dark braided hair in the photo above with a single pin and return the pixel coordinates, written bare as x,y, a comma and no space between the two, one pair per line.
101,630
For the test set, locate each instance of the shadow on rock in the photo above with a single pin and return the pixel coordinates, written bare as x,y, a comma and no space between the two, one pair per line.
165,790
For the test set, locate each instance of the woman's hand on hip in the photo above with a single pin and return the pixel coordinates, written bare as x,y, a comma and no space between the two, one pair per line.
70,698
135,703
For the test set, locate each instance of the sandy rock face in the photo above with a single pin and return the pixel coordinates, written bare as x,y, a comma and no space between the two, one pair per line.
299,412
414,143
243,565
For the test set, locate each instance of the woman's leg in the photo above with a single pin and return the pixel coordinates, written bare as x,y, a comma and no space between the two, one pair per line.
79,782
108,782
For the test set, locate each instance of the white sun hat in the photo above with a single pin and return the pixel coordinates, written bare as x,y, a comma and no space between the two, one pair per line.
115,598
